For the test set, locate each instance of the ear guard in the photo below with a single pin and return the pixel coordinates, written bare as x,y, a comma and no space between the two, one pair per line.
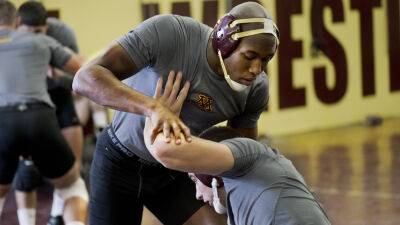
225,39
227,32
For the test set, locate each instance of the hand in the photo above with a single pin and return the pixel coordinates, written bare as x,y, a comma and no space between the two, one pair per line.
169,98
169,104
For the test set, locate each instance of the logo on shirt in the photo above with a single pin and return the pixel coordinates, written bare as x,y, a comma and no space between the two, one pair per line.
204,102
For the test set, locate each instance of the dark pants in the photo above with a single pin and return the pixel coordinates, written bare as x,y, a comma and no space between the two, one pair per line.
121,185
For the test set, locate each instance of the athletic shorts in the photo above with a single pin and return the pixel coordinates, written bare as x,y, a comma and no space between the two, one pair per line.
31,130
65,108
122,184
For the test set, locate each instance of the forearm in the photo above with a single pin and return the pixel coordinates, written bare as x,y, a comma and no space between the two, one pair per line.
73,64
198,156
101,86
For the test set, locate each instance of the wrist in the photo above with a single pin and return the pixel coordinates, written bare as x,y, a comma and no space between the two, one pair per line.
152,107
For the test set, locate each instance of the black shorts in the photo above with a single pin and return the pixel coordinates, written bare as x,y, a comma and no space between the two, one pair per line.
32,130
65,109
121,185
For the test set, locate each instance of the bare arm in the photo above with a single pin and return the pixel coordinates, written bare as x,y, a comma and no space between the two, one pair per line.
100,81
73,64
198,156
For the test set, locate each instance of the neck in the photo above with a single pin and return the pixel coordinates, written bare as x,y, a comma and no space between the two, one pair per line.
213,60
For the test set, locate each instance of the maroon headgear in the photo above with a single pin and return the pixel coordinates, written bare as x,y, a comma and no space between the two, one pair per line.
207,180
227,33
222,36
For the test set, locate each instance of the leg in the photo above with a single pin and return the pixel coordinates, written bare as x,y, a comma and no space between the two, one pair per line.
149,219
71,188
26,204
72,132
26,181
55,160
4,189
74,137
114,187
10,135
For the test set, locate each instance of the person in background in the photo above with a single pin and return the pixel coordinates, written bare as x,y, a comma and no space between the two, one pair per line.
29,127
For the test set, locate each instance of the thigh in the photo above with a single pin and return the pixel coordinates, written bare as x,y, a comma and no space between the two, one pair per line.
176,202
50,152
8,165
114,195
11,145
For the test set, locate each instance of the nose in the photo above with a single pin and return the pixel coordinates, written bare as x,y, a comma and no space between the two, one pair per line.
199,196
255,67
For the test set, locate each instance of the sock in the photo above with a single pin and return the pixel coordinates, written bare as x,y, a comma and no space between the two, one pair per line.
2,200
26,216
57,207
75,223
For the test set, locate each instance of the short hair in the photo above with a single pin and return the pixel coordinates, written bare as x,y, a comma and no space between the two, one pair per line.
32,13
219,134
8,12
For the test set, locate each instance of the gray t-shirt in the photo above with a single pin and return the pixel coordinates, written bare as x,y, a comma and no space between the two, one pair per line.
62,33
65,35
170,42
24,60
264,187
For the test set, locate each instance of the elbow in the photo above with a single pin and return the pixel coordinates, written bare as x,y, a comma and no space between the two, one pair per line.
164,156
77,83
80,83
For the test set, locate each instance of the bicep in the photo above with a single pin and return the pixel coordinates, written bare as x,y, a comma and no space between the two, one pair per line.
116,60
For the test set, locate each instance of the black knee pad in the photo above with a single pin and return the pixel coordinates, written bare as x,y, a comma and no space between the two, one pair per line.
27,177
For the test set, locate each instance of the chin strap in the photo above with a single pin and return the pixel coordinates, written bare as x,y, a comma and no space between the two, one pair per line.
233,84
219,208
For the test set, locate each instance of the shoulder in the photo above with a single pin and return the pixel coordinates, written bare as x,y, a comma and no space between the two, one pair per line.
244,146
175,21
32,38
261,82
54,22
260,89
246,153
56,26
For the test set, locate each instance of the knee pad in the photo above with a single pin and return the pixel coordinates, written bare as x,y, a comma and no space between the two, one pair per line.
27,177
76,189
